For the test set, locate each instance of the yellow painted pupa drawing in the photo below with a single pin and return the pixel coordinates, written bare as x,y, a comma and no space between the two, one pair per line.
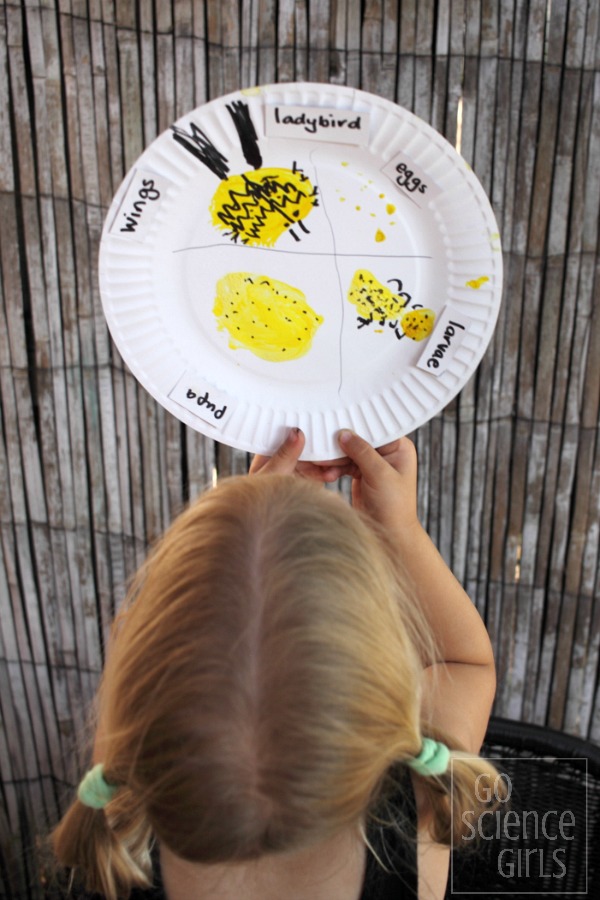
266,316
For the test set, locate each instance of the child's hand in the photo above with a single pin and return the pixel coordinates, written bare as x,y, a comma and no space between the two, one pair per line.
285,461
384,481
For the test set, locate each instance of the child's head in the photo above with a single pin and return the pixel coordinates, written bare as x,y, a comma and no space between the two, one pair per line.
262,680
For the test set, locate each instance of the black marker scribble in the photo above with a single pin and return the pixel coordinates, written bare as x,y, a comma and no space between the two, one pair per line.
199,145
244,126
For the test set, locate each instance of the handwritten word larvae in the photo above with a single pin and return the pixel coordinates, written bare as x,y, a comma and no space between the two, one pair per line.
268,317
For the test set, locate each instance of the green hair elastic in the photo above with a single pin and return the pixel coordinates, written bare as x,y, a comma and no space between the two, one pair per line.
433,759
93,790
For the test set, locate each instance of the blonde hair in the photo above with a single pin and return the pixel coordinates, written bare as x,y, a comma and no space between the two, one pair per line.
264,678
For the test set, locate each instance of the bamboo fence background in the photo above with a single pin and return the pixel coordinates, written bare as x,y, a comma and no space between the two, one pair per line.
91,470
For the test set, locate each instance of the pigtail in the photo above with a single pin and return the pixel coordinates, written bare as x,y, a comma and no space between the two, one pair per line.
457,799
107,850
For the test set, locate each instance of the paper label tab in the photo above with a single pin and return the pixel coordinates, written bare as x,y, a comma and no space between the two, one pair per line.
411,179
202,399
317,123
450,331
139,205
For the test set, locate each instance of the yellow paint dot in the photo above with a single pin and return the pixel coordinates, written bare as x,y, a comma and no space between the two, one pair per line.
372,215
379,236
392,223
477,282
357,207
342,199
344,164
382,196
390,208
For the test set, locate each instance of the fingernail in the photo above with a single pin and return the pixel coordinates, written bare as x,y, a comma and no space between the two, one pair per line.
344,435
294,434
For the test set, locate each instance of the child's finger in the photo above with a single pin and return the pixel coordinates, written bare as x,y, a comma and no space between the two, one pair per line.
400,454
285,459
369,462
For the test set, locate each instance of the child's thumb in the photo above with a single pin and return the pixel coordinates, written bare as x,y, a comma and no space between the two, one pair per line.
362,453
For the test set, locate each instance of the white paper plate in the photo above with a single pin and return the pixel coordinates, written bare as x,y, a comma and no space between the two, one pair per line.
234,249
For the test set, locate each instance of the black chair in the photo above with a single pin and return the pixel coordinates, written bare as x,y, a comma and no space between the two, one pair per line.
546,841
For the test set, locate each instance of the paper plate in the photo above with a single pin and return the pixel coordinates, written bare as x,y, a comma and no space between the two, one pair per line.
301,255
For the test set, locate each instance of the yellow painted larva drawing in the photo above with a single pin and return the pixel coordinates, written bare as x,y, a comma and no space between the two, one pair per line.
257,206
268,317
380,306
417,324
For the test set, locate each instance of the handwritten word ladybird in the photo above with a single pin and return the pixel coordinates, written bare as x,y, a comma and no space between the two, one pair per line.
311,123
